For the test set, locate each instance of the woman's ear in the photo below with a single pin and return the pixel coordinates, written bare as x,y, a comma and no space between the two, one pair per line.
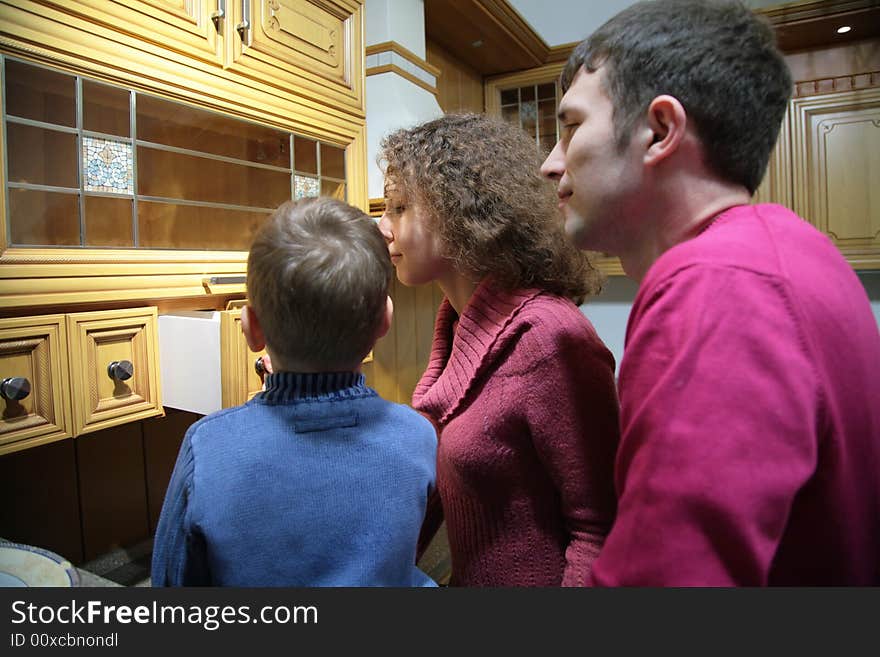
253,332
667,120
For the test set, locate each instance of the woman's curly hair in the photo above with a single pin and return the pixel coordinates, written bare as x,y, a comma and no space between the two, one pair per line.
478,179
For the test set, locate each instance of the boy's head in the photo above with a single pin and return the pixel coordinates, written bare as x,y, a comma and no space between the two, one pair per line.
716,57
317,282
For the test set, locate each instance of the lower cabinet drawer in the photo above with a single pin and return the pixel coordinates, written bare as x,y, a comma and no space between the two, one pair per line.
114,367
205,361
65,375
33,382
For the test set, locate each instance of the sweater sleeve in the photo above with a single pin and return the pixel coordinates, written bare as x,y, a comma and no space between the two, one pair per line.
718,415
572,413
179,554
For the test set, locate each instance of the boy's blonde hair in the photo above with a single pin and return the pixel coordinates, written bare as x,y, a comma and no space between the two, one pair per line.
317,279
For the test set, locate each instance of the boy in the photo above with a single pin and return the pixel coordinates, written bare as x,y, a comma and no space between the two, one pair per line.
316,481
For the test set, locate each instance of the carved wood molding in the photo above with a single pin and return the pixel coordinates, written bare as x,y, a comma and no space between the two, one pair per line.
840,83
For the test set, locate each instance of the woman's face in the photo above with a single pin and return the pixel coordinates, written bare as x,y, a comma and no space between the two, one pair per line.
413,245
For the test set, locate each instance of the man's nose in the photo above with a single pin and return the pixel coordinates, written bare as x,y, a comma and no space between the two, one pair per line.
554,165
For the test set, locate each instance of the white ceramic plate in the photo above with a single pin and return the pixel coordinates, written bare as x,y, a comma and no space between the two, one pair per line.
25,565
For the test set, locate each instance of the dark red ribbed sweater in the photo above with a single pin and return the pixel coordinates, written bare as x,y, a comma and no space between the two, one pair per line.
522,393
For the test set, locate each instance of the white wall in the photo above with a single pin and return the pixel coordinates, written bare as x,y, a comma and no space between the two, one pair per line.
610,310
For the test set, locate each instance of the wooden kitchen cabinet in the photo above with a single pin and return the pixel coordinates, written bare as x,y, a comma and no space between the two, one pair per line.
142,144
143,149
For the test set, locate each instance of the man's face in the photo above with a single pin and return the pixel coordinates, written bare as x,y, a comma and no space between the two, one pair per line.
597,181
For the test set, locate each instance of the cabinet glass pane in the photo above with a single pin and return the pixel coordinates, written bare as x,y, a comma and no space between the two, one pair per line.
533,108
305,155
333,189
547,125
528,115
199,179
173,124
332,161
36,93
108,222
511,114
547,91
172,226
106,109
178,176
38,156
510,97
38,218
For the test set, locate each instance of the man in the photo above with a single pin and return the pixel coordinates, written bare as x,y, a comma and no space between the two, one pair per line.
750,382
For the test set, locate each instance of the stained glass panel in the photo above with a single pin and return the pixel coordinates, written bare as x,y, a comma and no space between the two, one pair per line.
107,166
304,186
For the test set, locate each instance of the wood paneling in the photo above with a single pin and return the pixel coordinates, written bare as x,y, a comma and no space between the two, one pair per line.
400,358
40,506
487,34
831,62
508,44
113,491
805,25
459,86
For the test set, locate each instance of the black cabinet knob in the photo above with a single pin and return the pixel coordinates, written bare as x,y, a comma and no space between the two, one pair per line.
260,367
121,370
15,387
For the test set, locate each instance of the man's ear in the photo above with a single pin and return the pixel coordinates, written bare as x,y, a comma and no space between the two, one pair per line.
386,318
253,332
667,120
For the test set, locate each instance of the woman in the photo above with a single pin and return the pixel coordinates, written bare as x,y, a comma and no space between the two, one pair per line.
519,386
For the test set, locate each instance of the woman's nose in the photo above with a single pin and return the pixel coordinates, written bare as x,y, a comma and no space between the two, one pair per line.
385,228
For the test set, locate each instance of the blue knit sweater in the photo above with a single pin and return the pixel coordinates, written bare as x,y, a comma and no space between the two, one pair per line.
317,481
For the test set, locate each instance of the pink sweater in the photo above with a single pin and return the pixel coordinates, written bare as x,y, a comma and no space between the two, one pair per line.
750,414
523,395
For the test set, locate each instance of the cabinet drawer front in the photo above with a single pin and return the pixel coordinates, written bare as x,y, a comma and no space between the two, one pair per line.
35,349
98,340
240,380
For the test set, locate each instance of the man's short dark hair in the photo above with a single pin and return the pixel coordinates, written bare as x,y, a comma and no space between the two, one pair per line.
318,277
718,58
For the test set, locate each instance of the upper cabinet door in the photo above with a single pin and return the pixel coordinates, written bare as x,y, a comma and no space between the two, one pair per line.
190,27
318,42
835,159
